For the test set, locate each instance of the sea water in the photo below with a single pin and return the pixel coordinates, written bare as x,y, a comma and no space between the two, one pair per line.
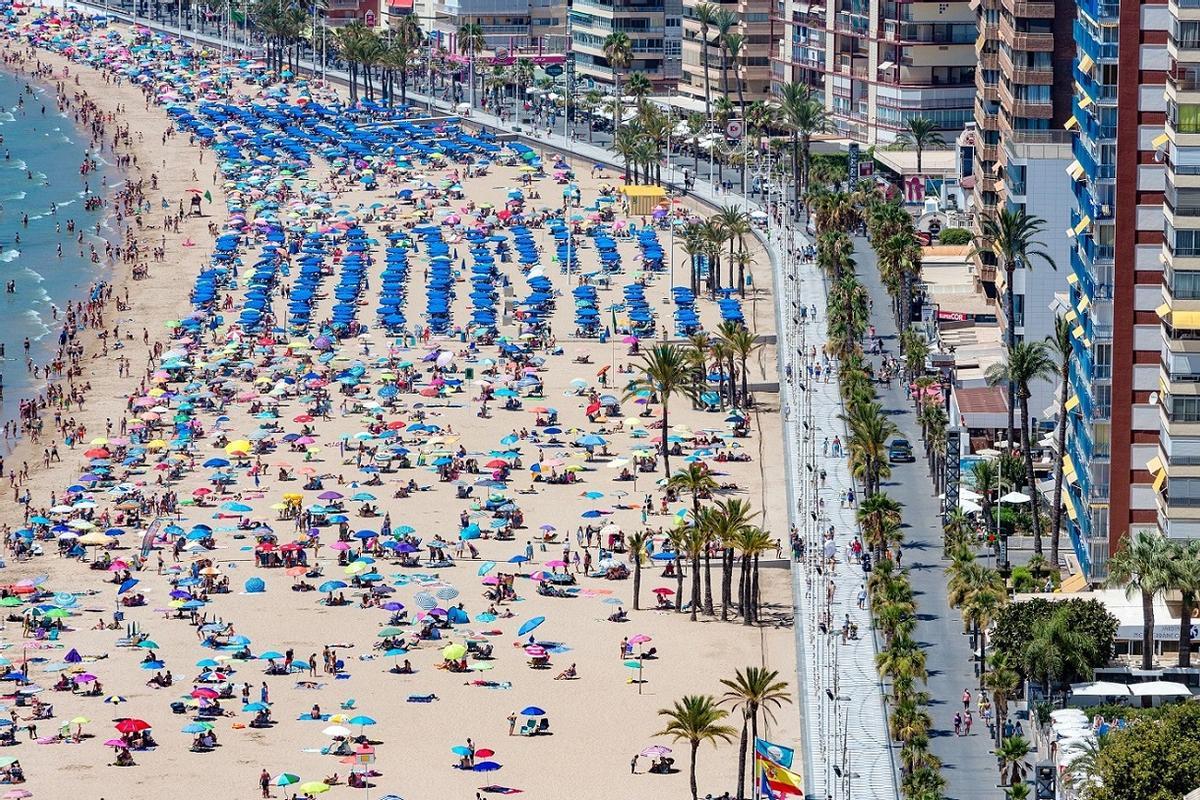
40,181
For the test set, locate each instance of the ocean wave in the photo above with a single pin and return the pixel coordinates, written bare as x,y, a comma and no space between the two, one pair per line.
36,318
33,273
10,255
15,196
7,116
18,164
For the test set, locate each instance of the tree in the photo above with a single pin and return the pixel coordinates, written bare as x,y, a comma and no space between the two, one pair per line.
735,45
1017,623
1056,651
1013,237
725,524
618,49
725,21
1002,681
1142,567
695,544
876,514
804,117
1025,363
920,133
740,344
1012,753
696,719
665,372
753,689
1060,344
1150,759
637,551
705,14
1184,577
471,42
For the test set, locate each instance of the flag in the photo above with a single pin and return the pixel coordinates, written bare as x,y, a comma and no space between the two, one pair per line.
764,789
776,753
208,195
781,780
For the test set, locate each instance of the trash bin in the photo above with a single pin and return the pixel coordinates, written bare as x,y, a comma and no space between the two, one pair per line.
470,373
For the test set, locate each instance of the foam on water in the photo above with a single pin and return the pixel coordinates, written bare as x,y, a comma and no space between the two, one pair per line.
10,255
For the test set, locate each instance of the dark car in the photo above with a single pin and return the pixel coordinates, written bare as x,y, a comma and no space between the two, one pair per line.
900,451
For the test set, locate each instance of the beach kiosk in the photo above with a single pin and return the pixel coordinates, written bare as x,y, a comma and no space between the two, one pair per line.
643,199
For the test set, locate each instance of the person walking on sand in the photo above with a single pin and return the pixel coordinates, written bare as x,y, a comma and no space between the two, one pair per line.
966,698
957,723
264,783
633,765
512,723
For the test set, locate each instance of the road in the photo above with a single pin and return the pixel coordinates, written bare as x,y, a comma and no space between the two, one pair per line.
967,762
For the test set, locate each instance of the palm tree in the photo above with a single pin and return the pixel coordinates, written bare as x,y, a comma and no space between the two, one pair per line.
750,542
725,524
677,540
1081,771
618,49
805,117
870,430
706,15
638,85
725,22
637,551
899,259
471,42
696,719
1142,566
695,545
734,44
751,689
1185,579
1060,345
1057,651
1012,236
742,344
1002,681
1012,753
665,372
876,514
1025,363
920,133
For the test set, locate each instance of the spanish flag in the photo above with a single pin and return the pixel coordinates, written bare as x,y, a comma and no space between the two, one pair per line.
782,782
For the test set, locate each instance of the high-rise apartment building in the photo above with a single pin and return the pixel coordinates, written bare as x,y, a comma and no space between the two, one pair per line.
1175,468
1114,458
753,67
1025,91
653,28
508,25
881,63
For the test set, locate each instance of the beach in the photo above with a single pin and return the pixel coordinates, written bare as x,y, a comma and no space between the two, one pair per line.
598,720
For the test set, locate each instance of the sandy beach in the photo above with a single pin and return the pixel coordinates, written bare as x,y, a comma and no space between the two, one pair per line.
597,721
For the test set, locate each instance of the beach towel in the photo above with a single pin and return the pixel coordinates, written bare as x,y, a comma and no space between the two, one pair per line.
422,698
311,718
492,788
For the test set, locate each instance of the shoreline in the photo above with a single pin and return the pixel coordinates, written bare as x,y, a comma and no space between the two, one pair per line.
150,300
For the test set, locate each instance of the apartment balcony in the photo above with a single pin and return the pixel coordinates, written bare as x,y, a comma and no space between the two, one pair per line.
1185,9
1028,10
988,153
1030,42
988,61
988,92
1097,50
1179,138
1183,87
1186,50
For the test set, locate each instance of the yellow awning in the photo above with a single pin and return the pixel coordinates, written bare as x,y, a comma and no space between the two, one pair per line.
1160,480
1072,403
1070,316
1071,122
1075,169
996,167
1077,582
1077,331
1081,226
1159,141
1085,101
643,191
1188,320
1086,63
1072,279
1068,465
1163,310
1084,302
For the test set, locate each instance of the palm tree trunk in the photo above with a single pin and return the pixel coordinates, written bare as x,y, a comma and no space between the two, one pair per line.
708,595
796,169
637,581
745,385
741,792
726,582
666,453
1012,340
692,769
1056,498
753,616
1185,629
1029,476
695,598
678,583
1147,630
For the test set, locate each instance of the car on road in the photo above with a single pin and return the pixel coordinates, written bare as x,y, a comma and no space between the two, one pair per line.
900,451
